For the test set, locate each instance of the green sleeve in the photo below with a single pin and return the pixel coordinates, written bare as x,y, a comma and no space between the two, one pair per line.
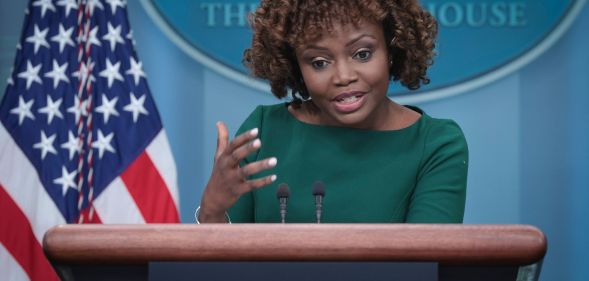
440,192
243,210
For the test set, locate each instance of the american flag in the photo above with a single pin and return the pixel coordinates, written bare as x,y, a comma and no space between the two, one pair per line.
81,140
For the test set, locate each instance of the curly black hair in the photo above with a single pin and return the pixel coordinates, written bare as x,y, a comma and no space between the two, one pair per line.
279,26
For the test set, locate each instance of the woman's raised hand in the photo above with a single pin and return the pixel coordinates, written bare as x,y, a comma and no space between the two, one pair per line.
228,180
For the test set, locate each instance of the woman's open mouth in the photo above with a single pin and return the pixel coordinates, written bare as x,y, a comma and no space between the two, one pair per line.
349,102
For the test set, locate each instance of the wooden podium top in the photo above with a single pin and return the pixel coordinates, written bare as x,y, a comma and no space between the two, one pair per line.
446,244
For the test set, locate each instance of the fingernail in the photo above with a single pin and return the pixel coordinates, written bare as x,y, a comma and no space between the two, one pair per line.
256,143
273,177
272,161
254,132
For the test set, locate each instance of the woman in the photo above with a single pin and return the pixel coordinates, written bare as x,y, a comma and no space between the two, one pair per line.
380,161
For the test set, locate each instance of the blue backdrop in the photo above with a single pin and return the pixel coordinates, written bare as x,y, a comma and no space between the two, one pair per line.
528,133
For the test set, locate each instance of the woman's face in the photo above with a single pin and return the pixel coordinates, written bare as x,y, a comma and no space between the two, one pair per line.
347,75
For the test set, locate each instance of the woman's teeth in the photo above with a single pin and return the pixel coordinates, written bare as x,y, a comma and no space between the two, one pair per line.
350,99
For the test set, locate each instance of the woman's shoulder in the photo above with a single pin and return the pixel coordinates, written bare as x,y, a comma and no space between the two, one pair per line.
440,127
286,112
270,114
433,124
270,110
442,135
263,114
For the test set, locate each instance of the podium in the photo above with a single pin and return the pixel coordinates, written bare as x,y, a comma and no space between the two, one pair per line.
459,252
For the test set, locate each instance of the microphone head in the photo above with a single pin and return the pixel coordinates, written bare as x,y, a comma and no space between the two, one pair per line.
318,188
283,191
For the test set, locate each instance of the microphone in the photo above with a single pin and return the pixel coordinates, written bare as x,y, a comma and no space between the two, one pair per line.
282,194
319,193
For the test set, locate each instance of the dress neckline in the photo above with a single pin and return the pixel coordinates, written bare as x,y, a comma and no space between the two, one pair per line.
415,124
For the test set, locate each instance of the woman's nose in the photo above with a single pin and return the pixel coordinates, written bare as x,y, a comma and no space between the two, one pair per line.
344,73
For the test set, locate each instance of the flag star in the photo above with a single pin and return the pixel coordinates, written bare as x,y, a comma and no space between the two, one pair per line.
18,46
46,145
108,107
38,38
85,70
45,5
23,110
136,70
71,145
78,109
136,107
51,109
64,37
57,73
68,5
31,74
114,4
130,37
9,80
103,143
113,36
92,4
66,180
92,38
111,72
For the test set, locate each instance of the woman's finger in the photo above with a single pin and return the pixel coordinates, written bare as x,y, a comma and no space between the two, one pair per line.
222,138
259,183
241,140
243,151
258,166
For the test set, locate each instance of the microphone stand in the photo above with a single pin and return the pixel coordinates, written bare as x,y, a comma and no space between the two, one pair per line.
282,194
319,193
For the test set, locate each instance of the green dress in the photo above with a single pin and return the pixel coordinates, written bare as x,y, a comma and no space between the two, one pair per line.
416,174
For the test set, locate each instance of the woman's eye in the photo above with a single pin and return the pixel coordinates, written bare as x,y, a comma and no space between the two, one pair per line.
319,64
363,55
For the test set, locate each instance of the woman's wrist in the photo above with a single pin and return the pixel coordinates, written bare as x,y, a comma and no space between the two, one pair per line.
205,215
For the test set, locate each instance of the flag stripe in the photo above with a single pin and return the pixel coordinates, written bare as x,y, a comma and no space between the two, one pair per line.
10,269
62,142
159,152
149,190
86,214
21,182
17,237
115,204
